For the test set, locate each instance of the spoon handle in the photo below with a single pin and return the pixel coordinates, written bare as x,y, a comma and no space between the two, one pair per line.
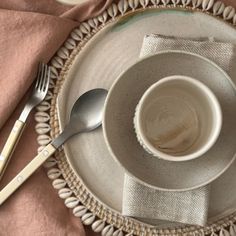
26,172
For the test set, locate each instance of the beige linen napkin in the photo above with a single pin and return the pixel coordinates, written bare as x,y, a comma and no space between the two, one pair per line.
189,207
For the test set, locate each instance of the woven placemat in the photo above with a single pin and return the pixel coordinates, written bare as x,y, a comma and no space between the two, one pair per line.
75,195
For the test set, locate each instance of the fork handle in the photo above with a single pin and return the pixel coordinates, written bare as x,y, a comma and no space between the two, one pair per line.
10,145
15,183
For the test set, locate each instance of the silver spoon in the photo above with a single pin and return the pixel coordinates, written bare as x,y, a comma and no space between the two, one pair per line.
86,115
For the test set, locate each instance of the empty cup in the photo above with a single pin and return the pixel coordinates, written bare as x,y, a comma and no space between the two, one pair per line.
178,119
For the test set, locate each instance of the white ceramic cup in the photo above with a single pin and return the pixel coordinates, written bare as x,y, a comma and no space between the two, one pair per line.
178,119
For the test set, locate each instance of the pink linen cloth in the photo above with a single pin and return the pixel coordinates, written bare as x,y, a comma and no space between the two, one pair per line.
32,31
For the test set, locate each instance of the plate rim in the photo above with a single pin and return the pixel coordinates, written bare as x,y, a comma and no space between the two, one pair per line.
60,64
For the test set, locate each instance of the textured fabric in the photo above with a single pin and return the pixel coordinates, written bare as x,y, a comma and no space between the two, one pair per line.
219,52
28,37
32,31
147,203
189,207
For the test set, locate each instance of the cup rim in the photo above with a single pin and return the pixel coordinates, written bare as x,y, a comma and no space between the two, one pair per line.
205,147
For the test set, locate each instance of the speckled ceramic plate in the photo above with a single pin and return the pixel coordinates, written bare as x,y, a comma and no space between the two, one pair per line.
89,181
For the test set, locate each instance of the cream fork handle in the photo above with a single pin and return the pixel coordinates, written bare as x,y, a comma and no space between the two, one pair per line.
26,172
10,145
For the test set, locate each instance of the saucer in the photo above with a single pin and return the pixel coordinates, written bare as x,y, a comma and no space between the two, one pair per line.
120,136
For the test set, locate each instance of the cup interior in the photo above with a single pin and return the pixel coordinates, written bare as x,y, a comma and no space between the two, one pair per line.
178,118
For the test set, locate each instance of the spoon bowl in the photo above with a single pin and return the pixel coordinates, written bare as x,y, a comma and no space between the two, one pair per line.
87,112
86,115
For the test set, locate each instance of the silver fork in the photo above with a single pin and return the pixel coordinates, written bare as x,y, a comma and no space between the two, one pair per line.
38,94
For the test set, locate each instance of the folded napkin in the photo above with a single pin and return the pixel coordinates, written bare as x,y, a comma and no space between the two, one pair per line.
189,207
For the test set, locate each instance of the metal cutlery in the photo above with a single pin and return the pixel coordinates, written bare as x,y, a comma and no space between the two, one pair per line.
38,94
86,115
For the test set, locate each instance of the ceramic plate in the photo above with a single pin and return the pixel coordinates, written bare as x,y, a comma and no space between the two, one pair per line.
98,65
93,56
119,130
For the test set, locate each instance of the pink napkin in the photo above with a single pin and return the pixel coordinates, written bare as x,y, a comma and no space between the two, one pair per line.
32,31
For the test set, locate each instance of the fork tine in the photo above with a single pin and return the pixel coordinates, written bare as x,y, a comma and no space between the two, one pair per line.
48,78
40,67
45,78
41,77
